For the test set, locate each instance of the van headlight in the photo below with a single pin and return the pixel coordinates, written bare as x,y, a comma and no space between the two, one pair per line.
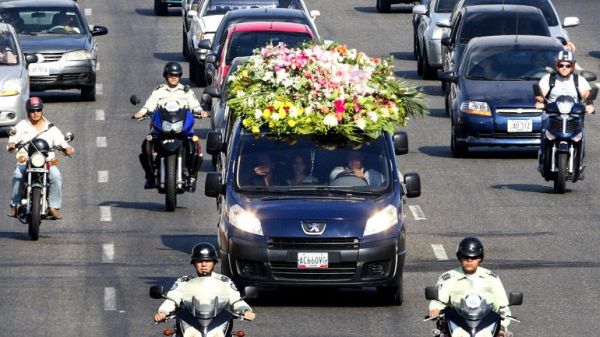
11,87
37,160
382,220
476,108
244,220
78,55
175,127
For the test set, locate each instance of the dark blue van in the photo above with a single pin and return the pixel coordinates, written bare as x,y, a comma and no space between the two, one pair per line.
303,211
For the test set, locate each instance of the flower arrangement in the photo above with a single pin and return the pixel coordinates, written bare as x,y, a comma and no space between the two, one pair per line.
321,89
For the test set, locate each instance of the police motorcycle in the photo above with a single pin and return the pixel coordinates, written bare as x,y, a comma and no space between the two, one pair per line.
202,311
174,143
561,152
34,205
472,314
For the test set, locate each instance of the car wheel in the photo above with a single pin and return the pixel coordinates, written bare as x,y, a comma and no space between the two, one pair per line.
415,45
384,6
459,149
392,294
88,93
447,103
199,77
429,73
160,8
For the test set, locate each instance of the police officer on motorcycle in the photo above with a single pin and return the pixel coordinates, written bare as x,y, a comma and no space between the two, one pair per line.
203,257
460,280
172,89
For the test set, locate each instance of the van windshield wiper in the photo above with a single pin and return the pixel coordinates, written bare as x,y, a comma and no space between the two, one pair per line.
345,190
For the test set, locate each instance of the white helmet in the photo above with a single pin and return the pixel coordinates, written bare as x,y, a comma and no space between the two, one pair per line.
565,56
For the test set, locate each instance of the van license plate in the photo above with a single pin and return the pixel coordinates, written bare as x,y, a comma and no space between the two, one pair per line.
520,125
41,69
313,260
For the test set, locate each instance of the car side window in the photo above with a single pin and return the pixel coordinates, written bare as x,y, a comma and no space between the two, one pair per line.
456,26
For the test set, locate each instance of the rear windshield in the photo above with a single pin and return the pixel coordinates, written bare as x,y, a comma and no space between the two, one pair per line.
499,64
243,43
220,7
303,164
490,24
543,5
445,6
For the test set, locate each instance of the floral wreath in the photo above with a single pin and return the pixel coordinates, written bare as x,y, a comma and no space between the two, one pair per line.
321,89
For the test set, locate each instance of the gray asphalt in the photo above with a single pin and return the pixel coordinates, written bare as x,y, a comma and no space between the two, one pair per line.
543,244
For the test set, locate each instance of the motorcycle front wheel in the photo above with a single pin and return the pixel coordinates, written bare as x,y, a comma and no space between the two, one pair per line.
171,188
560,181
35,217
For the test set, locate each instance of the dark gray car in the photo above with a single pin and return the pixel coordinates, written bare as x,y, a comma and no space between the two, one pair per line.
58,33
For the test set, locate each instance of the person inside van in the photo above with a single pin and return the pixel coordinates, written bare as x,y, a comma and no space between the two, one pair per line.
354,167
264,172
299,171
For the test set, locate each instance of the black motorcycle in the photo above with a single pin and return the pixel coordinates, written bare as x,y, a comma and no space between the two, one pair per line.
472,314
204,312
34,205
173,147
561,153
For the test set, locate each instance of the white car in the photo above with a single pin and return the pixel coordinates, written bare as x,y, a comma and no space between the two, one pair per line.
206,20
14,78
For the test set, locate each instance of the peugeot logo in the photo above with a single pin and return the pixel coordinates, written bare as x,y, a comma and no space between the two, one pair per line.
313,228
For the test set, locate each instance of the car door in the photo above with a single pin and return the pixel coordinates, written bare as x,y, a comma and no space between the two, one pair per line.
196,27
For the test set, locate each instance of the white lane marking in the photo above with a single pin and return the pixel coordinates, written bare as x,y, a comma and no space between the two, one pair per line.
101,141
110,299
102,177
97,65
99,89
108,252
439,251
99,114
417,212
87,11
105,213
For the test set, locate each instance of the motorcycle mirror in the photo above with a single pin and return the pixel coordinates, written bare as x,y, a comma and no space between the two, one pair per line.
12,131
156,292
593,94
515,298
431,293
69,136
250,292
588,75
537,90
134,100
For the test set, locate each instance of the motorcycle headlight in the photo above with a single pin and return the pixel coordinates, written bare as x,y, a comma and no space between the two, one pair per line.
78,55
564,107
578,137
382,220
476,108
549,135
37,160
175,127
244,220
11,87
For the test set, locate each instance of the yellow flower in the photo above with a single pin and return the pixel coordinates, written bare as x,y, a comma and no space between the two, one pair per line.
300,110
245,122
271,124
255,129
278,104
244,73
291,123
266,114
282,112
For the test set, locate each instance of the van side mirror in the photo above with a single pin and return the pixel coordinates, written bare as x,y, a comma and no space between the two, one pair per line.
204,44
212,186
400,140
588,75
134,100
214,143
156,292
412,181
431,293
515,298
448,76
446,41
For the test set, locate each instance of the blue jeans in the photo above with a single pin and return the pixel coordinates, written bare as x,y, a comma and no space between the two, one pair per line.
54,189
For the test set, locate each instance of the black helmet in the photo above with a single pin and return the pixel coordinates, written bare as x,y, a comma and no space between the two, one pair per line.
34,103
470,247
204,251
38,145
173,68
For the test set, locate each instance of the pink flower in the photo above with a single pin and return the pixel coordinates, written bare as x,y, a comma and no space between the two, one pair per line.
339,105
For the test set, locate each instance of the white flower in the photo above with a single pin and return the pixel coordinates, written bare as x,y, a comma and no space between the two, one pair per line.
361,123
249,101
240,93
308,110
281,76
257,113
268,76
330,120
275,116
372,116
293,112
288,82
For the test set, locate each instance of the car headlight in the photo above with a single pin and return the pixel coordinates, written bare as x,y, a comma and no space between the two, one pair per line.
11,87
244,220
175,127
476,108
37,160
78,55
382,220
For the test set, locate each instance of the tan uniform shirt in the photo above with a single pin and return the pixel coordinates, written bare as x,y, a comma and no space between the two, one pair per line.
455,285
163,93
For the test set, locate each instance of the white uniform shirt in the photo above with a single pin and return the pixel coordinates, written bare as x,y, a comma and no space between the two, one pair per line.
26,131
163,93
563,86
339,169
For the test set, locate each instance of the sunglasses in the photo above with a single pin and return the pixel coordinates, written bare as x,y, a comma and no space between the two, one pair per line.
565,65
34,111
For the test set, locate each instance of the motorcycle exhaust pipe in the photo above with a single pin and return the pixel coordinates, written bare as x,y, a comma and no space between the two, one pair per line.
162,172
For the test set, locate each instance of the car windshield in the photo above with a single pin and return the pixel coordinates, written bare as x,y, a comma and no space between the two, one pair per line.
220,7
8,49
445,6
508,64
479,24
40,20
543,5
305,165
243,43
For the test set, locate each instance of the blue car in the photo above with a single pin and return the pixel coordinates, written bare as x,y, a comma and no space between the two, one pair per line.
491,96
292,213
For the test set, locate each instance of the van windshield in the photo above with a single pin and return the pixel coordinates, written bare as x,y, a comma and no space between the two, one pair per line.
305,165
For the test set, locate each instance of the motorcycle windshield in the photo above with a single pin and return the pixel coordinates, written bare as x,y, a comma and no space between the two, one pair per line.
474,305
204,297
